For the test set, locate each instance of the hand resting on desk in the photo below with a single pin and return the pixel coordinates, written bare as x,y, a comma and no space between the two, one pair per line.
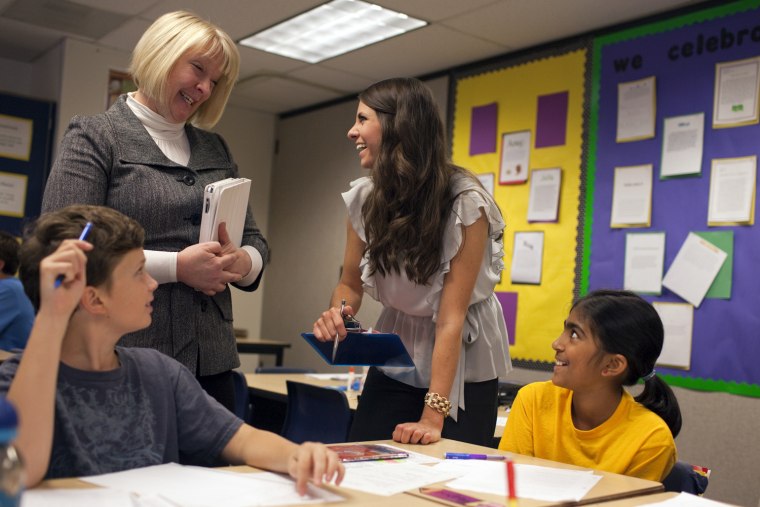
306,462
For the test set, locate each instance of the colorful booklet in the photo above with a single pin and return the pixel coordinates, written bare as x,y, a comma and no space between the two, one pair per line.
363,349
366,452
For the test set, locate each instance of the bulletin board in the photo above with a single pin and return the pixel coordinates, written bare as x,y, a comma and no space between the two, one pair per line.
542,94
681,54
26,140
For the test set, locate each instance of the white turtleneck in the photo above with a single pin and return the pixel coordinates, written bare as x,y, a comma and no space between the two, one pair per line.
172,140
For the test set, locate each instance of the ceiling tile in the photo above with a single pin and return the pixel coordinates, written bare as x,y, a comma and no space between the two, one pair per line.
342,82
253,61
23,42
504,22
423,51
65,16
283,93
434,11
132,7
126,36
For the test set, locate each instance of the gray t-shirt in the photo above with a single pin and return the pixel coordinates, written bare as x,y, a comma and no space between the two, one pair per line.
150,410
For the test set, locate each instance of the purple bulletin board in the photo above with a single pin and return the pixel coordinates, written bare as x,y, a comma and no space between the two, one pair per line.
681,56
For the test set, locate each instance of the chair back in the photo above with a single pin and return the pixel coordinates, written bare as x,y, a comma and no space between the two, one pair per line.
316,414
242,399
283,369
684,478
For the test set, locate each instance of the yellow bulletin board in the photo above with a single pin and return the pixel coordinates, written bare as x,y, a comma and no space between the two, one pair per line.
512,94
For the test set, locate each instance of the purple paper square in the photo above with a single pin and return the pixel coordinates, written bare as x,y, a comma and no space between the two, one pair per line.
483,129
508,301
551,120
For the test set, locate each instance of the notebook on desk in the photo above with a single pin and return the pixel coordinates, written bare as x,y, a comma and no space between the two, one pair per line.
363,349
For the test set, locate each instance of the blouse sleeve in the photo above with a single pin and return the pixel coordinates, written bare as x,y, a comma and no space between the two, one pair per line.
354,199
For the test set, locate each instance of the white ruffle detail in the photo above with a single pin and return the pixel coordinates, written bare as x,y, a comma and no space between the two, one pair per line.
354,199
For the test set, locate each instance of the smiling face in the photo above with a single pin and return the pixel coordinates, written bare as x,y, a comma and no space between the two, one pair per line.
189,84
367,135
128,296
579,361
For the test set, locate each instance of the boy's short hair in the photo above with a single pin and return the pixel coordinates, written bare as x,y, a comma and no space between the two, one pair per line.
9,247
112,234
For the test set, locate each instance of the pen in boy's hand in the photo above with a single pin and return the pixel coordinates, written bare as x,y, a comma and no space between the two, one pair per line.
60,278
467,455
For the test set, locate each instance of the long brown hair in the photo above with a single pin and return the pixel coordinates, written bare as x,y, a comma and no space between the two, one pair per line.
406,212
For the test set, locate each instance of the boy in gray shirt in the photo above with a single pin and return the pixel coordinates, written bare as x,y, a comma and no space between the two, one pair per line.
87,406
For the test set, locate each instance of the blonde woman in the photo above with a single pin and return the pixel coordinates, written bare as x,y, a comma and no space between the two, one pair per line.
149,157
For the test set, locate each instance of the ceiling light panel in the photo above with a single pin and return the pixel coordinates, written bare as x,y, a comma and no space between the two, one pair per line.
332,29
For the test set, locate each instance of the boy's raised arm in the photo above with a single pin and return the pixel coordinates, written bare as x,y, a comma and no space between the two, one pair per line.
33,389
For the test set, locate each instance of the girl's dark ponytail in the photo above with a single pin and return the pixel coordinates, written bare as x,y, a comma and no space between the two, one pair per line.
658,397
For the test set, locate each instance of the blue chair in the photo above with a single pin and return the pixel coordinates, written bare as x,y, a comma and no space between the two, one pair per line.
242,399
283,369
316,414
683,478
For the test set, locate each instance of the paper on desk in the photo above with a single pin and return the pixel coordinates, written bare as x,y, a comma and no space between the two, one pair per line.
686,500
94,497
328,376
201,487
537,482
389,477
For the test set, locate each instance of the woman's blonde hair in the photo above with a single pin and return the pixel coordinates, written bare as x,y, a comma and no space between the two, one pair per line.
166,41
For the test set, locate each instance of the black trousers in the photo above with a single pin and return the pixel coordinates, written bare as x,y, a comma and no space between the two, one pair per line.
221,387
385,402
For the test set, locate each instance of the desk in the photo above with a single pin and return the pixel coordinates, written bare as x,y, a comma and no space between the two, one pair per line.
246,346
645,500
610,487
272,388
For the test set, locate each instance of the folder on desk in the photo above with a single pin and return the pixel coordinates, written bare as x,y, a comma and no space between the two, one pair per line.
363,349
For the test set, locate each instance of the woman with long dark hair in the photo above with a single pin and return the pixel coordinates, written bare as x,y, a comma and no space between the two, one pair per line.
425,239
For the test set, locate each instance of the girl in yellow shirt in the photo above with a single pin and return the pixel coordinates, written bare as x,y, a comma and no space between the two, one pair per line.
583,416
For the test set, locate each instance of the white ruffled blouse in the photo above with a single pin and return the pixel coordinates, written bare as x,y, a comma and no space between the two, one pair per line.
411,310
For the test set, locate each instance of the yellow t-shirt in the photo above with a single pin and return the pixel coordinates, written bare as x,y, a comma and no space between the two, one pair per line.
633,441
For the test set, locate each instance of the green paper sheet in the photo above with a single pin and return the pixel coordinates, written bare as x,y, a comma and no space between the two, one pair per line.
721,286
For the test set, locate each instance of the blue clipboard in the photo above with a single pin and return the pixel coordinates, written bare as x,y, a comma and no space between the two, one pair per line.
363,349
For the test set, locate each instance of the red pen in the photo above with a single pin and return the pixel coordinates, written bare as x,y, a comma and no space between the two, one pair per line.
511,493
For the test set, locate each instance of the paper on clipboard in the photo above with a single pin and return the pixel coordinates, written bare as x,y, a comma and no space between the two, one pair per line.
225,201
363,349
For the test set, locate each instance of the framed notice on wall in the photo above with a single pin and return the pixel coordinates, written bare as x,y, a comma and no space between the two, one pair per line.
737,85
15,137
515,157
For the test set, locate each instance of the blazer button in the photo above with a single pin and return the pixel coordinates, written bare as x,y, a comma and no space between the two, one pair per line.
188,180
204,305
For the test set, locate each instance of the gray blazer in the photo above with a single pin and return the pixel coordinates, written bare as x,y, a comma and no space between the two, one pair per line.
110,159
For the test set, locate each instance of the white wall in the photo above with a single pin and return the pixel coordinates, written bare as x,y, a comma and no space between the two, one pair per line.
250,135
84,80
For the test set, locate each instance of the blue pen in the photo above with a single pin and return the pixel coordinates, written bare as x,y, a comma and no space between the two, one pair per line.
60,278
467,455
